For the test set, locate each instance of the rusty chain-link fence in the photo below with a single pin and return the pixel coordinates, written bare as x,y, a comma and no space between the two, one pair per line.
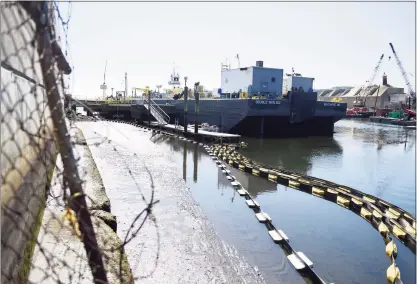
53,230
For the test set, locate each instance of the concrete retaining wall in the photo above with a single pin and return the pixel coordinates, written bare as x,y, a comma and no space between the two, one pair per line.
26,138
20,212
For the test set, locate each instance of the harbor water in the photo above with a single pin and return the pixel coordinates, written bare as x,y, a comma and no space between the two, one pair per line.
377,159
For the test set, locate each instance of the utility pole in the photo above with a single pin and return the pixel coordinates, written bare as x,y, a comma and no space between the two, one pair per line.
185,107
197,107
149,106
125,85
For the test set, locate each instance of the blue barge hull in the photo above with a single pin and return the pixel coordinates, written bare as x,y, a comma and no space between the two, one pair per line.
299,115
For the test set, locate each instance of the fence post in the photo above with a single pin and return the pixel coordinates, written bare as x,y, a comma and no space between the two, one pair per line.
39,13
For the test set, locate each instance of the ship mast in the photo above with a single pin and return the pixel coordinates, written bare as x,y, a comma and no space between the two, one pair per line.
175,80
125,85
225,66
104,86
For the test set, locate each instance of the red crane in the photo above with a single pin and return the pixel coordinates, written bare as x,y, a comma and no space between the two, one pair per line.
411,91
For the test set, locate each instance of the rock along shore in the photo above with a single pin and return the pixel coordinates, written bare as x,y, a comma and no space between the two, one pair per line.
60,255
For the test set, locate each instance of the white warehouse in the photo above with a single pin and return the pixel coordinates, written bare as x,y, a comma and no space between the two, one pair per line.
252,80
378,96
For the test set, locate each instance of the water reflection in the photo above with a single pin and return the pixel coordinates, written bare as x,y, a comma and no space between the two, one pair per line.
184,162
175,145
251,183
410,140
195,178
222,181
380,136
294,154
157,137
344,248
254,185
195,152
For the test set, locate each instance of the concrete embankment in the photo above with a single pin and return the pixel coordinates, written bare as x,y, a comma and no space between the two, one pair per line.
177,244
60,256
23,200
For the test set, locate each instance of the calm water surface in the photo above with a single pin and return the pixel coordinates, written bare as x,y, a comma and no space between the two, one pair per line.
344,248
370,157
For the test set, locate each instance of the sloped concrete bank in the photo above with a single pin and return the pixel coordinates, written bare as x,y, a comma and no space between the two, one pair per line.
178,244
60,256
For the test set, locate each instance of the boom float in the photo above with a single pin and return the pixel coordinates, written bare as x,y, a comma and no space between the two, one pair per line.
374,210
383,216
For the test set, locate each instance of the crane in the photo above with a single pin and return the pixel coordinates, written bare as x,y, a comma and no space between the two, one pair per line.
145,90
361,98
407,82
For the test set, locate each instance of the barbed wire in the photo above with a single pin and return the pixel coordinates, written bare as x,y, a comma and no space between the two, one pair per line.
55,227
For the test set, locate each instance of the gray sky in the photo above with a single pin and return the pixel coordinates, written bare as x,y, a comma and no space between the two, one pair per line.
339,44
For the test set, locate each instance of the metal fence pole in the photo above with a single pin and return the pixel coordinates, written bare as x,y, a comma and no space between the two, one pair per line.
77,203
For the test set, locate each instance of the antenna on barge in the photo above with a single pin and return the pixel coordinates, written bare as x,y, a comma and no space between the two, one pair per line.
225,66
125,85
104,86
238,60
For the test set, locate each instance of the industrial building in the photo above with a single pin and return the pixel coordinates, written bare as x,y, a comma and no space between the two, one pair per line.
252,80
260,81
295,82
379,96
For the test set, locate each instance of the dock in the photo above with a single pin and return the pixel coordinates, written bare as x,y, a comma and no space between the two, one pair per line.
201,136
392,121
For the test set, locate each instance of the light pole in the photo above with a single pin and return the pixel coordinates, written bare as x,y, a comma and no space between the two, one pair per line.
185,107
196,106
158,87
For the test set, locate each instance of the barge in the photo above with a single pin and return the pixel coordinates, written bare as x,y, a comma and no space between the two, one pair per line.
251,102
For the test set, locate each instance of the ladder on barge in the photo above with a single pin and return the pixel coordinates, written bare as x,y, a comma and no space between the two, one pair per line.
156,111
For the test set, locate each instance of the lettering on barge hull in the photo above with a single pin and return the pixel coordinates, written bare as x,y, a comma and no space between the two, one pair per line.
331,104
264,104
267,102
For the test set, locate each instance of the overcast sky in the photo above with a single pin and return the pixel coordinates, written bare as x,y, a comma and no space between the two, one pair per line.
338,44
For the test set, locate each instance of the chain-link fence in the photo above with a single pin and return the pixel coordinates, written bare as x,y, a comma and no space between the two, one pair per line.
52,231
